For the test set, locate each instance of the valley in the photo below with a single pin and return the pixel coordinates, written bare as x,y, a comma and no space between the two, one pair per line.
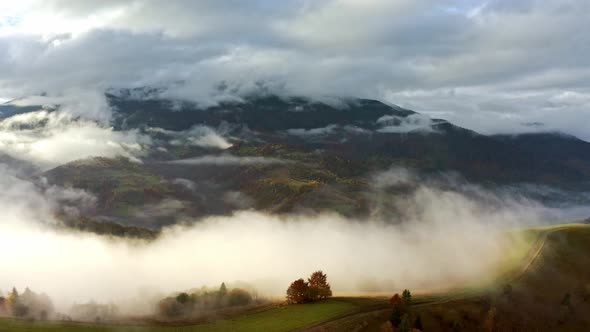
549,266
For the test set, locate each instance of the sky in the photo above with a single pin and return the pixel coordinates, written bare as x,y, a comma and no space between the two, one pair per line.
496,66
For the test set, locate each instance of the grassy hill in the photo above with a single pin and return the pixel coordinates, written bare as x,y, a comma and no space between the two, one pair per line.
275,318
549,292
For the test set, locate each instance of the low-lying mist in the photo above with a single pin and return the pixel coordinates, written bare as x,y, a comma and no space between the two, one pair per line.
446,239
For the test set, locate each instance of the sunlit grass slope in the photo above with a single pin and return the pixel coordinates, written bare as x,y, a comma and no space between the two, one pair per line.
282,318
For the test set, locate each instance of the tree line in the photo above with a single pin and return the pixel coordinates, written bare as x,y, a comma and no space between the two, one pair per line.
185,303
28,305
314,289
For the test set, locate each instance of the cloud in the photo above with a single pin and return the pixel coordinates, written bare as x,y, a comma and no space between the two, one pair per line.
49,139
70,201
89,104
445,232
393,177
503,113
312,132
186,183
198,135
457,234
225,159
417,191
166,207
516,57
410,123
327,130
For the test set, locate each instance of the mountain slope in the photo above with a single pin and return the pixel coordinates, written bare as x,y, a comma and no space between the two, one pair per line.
285,155
374,134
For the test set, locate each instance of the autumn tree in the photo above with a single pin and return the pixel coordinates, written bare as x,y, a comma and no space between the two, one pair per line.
13,302
15,305
400,317
319,288
298,292
395,300
12,297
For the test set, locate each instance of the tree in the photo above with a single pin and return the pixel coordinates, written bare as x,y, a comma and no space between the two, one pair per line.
13,302
238,297
395,300
28,304
20,310
183,298
222,290
407,298
396,316
489,322
169,307
567,301
2,305
406,324
319,288
401,306
418,323
12,298
298,292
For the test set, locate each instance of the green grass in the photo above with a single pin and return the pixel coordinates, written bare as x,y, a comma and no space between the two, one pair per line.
516,251
282,318
561,267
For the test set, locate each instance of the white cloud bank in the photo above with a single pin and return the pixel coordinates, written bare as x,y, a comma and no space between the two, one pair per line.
49,139
410,123
448,239
198,135
226,159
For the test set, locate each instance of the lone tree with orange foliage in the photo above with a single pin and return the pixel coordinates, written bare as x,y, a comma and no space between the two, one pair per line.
298,292
398,310
316,288
319,288
395,300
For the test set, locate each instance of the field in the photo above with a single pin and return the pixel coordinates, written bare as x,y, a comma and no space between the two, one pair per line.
549,291
277,318
544,286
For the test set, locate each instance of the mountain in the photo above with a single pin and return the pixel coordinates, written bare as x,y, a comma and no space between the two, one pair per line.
373,135
292,154
569,150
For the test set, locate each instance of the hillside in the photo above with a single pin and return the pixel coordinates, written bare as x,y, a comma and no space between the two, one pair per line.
547,292
291,154
373,134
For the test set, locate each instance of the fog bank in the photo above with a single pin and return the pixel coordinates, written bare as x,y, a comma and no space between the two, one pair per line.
446,240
